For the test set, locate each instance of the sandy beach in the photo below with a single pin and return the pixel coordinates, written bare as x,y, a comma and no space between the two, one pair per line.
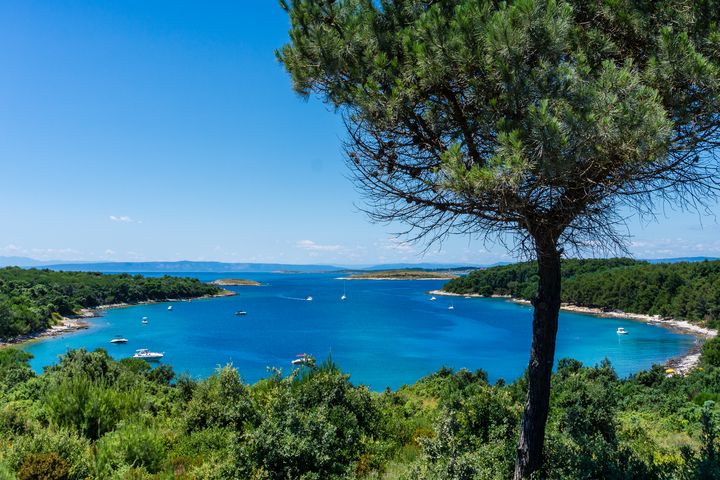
681,364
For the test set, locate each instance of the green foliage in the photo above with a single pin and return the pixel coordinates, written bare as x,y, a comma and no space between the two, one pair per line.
14,368
97,418
31,299
316,426
92,408
222,401
680,290
131,444
44,466
711,352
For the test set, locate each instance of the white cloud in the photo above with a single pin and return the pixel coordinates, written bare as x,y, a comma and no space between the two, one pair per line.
673,247
122,219
12,250
311,246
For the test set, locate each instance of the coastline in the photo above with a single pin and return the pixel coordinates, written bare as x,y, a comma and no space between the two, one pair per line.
681,364
81,321
394,278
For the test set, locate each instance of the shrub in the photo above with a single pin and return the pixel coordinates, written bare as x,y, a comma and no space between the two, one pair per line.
44,466
131,445
92,408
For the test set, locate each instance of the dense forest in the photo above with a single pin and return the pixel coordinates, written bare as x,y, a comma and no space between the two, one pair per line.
92,417
31,299
680,290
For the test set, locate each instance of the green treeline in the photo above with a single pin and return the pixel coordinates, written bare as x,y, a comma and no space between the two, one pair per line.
681,290
30,298
92,417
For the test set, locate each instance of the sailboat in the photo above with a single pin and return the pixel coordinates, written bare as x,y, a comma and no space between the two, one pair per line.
451,307
344,296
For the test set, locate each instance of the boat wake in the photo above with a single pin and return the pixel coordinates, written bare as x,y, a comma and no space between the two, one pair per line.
298,299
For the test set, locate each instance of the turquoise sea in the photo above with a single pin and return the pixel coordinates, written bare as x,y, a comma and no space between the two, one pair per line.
386,334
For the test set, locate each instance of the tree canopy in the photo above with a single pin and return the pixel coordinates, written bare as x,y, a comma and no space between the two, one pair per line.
30,297
484,116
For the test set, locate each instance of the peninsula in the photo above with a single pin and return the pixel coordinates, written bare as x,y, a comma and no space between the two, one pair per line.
37,302
680,296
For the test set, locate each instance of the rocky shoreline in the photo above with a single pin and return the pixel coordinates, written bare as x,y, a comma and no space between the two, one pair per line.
679,365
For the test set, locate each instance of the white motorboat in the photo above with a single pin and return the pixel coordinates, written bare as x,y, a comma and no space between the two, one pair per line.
146,354
144,320
433,299
170,307
622,331
309,299
241,313
119,339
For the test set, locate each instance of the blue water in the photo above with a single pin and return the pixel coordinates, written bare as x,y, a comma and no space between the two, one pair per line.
387,333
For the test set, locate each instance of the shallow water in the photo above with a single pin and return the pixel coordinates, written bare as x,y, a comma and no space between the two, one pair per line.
387,333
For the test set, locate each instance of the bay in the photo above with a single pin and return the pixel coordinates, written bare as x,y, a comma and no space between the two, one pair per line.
385,334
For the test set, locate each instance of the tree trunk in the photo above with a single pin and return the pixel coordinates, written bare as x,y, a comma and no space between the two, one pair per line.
542,355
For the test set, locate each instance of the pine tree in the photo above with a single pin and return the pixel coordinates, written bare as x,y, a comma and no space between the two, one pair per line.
534,122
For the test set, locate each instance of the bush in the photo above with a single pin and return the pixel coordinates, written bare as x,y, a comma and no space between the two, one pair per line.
131,445
316,426
91,408
711,352
223,400
44,466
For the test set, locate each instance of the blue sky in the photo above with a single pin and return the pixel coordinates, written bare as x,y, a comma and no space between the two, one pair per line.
167,130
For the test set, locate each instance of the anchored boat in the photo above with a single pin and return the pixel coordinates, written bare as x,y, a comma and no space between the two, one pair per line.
146,354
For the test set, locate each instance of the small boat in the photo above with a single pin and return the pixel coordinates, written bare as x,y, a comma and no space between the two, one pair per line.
146,354
170,307
144,320
304,359
468,296
451,307
309,299
433,299
119,339
344,295
241,313
622,331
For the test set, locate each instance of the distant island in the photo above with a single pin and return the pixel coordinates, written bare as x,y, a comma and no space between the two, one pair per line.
235,282
406,274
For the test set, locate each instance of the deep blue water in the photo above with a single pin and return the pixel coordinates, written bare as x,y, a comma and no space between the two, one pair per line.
387,333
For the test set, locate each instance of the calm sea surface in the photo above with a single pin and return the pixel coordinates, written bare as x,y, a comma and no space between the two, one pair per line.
387,333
